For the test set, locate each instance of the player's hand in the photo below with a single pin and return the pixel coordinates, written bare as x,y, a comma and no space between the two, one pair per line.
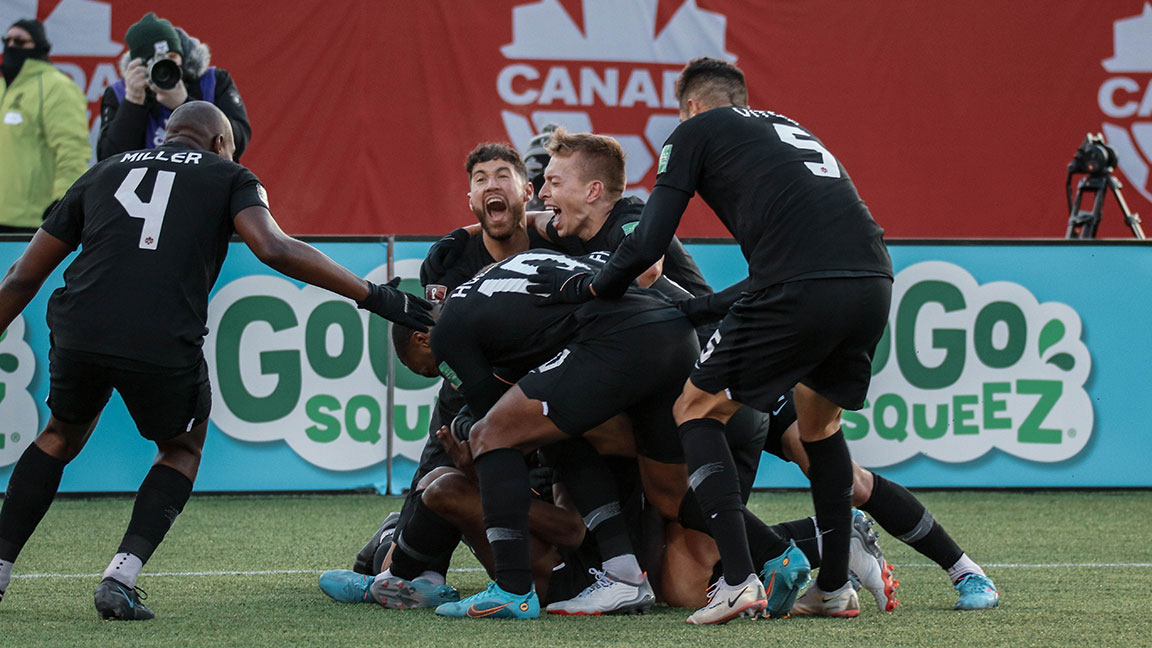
459,451
443,255
395,305
135,81
561,286
700,310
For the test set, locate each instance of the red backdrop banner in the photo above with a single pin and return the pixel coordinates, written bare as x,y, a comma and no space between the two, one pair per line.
956,120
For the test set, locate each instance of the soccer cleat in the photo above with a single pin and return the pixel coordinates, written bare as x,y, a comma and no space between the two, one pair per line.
607,596
363,564
346,586
976,593
494,603
784,576
395,593
727,602
115,600
843,603
867,564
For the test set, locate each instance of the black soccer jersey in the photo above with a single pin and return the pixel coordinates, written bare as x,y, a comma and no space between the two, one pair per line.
493,321
787,201
153,229
679,266
475,257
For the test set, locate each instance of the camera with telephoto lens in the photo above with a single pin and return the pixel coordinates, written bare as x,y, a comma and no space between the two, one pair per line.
163,72
1094,157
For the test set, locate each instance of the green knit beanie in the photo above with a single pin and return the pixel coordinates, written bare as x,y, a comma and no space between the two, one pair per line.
151,35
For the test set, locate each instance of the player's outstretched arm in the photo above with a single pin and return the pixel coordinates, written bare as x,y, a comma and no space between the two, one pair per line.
301,261
25,277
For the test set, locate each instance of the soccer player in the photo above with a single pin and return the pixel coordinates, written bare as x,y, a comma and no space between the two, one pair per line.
498,189
815,305
153,228
626,356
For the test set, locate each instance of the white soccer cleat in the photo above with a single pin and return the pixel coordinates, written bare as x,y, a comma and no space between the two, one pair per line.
727,602
607,596
867,563
843,603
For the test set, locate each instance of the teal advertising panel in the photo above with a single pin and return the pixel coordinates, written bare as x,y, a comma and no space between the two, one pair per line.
1004,364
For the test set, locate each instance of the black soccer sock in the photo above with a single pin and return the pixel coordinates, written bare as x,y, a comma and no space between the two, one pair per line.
764,542
438,564
804,534
830,473
422,542
161,497
31,489
504,492
712,476
592,486
899,512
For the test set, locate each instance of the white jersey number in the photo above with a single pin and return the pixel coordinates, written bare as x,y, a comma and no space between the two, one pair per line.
827,167
151,212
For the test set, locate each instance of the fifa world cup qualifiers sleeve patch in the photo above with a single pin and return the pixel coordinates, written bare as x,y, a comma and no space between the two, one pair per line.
449,374
628,228
665,153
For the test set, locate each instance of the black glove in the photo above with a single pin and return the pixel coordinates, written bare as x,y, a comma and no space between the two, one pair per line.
561,286
462,425
443,255
395,305
700,310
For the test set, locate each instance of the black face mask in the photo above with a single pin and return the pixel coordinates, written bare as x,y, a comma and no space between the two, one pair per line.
14,58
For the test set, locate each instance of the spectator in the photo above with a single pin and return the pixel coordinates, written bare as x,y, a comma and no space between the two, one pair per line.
134,112
44,134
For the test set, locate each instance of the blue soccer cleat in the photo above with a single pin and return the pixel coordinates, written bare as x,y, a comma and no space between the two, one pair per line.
396,593
494,603
784,576
977,592
346,586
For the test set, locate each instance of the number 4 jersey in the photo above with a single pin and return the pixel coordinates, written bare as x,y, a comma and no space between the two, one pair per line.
787,202
153,228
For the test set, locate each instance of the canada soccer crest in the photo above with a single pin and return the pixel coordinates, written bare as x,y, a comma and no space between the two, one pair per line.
1125,98
606,67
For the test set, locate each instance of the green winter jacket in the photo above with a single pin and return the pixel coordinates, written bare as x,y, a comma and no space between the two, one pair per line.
44,143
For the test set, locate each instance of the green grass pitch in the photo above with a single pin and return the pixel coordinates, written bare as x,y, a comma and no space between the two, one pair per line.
1073,569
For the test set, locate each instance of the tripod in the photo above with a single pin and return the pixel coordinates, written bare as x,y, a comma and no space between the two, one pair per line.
1083,224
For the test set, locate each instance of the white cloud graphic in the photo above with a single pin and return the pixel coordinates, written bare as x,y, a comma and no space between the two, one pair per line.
998,407
361,388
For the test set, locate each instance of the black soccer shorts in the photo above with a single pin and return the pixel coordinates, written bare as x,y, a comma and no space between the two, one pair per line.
820,332
639,371
163,402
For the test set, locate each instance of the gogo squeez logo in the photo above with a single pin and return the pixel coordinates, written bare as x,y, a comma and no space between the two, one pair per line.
604,66
18,414
964,368
308,367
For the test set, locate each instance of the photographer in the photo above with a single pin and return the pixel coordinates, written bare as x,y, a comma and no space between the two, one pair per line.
135,109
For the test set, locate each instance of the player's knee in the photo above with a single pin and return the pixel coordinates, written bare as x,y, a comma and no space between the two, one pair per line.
433,475
446,490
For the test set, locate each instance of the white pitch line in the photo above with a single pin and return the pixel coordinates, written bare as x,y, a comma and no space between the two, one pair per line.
274,572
